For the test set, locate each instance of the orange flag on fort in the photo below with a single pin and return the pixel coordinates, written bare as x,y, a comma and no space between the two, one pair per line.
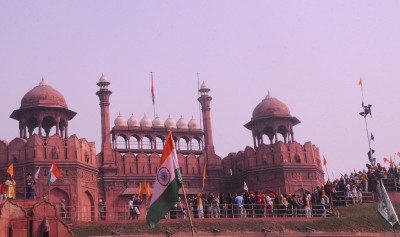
324,161
204,175
148,191
10,169
153,96
385,159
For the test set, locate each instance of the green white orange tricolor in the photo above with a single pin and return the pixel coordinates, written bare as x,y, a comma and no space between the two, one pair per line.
54,173
167,184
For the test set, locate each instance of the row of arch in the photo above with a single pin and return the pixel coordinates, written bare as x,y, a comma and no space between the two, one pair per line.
147,164
147,142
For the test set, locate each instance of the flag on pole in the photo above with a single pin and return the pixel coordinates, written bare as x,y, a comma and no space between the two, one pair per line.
245,187
140,191
324,161
167,184
148,191
361,85
372,137
54,173
153,97
385,159
204,174
10,169
37,173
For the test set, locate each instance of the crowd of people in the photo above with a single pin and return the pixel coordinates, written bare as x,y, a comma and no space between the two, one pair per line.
8,187
342,191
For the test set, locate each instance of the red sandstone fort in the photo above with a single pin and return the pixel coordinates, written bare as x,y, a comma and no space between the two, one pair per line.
131,149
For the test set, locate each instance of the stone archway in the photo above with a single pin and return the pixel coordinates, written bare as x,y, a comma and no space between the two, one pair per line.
56,195
87,202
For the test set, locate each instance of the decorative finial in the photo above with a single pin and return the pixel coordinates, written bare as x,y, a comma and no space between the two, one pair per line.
269,95
42,82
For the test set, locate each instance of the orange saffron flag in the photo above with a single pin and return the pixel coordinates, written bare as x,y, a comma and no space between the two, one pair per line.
10,169
140,191
153,96
385,159
325,161
204,174
360,82
148,191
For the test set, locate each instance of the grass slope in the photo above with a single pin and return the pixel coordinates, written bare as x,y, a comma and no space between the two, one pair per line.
358,218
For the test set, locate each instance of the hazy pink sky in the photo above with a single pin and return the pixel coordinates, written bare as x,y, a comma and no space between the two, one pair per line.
309,54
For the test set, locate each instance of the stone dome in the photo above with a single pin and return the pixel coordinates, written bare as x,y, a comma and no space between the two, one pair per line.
158,122
170,123
194,124
182,123
270,107
120,121
133,121
145,122
43,95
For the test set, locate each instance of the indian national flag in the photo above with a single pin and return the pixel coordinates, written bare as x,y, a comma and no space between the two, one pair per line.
54,174
167,184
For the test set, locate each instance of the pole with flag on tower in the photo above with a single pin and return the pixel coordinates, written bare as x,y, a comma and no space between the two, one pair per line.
153,96
10,170
54,174
385,206
325,162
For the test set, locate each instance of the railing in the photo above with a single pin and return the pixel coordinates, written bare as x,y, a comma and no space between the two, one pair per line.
121,213
345,198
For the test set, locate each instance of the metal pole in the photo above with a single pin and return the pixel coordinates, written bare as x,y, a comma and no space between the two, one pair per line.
24,182
188,208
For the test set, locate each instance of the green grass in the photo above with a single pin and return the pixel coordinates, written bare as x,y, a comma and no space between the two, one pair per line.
359,218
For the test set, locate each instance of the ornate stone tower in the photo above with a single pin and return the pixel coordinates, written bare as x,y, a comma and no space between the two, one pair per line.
43,107
271,117
106,147
213,161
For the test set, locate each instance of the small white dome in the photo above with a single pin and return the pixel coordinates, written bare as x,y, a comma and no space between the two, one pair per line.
133,121
158,122
194,124
120,121
182,123
103,78
145,122
170,123
204,86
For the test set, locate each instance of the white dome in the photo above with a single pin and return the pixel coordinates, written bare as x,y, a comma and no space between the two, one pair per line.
182,123
103,78
170,123
133,121
158,122
145,122
120,121
194,124
204,86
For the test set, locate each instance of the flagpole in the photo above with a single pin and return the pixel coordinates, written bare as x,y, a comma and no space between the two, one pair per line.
23,168
327,172
188,208
152,95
